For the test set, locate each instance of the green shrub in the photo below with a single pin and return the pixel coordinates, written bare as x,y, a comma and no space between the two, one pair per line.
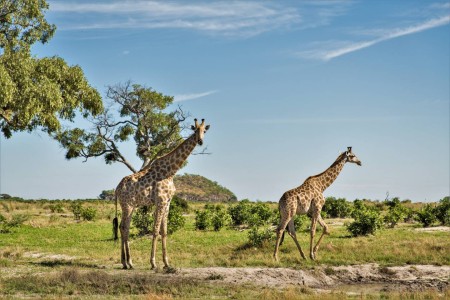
337,208
396,213
58,208
260,238
88,214
366,220
176,220
181,203
426,216
220,218
142,220
443,211
16,221
202,219
240,213
76,209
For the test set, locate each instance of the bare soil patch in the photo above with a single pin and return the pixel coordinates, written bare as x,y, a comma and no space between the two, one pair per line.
368,277
434,229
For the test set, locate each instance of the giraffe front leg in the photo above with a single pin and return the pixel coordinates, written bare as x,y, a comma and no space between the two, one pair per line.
324,232
313,233
163,232
156,228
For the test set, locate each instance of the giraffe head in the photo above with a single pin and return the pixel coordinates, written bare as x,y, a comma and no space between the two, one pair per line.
351,157
200,130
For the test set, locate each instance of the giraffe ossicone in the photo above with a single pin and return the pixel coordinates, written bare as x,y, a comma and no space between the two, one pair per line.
308,197
153,185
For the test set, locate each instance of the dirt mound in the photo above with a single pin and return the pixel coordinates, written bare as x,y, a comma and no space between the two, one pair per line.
376,278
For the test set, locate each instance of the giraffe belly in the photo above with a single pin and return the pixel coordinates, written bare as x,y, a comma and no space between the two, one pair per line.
302,205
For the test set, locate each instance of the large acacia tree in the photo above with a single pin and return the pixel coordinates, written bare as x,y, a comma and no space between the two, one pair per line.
37,92
132,112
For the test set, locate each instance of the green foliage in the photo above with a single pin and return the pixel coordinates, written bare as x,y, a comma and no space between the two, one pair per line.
240,213
57,207
107,195
176,221
367,220
337,208
23,24
76,208
142,220
198,188
142,116
88,213
220,218
37,92
442,211
427,215
202,219
250,214
181,203
260,237
396,213
215,216
16,220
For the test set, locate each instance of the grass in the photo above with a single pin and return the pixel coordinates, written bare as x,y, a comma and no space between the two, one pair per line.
93,267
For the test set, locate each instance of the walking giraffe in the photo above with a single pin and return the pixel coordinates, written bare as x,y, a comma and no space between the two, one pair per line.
309,198
153,185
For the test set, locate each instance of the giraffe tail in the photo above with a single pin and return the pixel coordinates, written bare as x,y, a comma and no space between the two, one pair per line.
116,223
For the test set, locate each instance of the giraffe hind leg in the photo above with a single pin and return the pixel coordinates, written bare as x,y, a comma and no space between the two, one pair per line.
292,233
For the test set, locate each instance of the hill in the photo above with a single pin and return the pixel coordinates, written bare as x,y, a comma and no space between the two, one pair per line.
198,188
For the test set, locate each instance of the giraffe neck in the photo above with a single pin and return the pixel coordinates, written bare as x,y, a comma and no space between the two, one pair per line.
170,163
327,177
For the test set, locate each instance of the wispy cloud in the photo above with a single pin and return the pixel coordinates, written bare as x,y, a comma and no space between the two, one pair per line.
327,53
185,97
228,18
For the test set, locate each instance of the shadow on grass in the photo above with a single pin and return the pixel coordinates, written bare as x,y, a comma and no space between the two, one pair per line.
66,263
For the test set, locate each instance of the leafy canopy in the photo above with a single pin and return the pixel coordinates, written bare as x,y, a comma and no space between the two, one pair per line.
37,92
134,112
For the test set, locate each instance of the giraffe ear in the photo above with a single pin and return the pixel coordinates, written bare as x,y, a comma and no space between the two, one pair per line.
206,127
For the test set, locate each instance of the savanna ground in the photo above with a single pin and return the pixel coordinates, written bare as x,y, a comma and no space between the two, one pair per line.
53,256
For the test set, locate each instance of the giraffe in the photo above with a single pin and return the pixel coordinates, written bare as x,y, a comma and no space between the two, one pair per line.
153,185
309,198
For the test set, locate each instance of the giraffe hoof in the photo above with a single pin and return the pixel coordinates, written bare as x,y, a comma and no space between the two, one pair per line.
169,270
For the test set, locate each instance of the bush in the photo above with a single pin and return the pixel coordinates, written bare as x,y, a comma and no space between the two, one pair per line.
396,213
260,213
58,208
443,211
240,213
202,219
220,218
143,219
16,221
181,203
88,214
426,216
176,220
76,209
260,238
337,208
367,220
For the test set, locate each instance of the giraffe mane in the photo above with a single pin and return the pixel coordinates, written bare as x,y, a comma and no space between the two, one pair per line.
338,159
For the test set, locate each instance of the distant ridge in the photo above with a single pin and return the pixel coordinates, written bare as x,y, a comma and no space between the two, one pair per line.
198,188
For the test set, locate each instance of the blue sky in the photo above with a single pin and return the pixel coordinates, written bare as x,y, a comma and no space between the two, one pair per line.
285,85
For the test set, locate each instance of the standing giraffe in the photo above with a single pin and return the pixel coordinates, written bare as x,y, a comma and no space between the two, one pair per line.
153,185
309,198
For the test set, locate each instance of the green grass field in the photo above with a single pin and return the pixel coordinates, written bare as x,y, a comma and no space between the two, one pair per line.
70,252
